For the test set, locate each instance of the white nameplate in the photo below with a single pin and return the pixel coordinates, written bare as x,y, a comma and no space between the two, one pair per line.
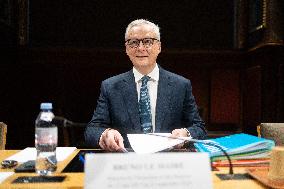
151,171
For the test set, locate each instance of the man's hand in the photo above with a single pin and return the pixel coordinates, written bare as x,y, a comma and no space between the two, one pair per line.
179,133
111,140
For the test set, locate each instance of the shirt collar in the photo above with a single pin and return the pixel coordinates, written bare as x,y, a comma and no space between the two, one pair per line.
154,74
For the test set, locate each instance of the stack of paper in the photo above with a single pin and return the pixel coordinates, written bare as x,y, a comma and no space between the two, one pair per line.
30,154
153,142
4,175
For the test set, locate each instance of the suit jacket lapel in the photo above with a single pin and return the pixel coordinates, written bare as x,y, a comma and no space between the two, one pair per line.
163,98
130,98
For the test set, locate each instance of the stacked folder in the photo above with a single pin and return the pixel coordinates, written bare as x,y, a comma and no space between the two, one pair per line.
243,149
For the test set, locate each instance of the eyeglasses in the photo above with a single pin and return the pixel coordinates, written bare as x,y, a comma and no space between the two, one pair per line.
6,164
134,43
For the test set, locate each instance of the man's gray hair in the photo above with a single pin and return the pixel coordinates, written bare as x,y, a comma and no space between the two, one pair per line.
140,22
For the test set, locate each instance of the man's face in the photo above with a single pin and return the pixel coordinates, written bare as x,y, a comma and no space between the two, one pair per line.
143,55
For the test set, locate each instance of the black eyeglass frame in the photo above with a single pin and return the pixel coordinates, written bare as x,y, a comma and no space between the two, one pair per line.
139,40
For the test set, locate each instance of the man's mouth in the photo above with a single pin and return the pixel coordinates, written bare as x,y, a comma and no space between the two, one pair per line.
141,56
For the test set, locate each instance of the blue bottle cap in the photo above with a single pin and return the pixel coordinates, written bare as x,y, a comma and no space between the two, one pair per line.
46,106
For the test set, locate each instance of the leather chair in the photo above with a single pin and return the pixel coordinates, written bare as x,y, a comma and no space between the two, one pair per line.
273,131
3,133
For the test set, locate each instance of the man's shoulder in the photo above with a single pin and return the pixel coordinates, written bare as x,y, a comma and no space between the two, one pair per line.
174,76
118,78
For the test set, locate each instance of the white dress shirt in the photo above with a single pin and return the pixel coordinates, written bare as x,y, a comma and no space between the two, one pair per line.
152,89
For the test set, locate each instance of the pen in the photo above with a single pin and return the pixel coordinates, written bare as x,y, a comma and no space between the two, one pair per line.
82,158
123,150
186,139
172,137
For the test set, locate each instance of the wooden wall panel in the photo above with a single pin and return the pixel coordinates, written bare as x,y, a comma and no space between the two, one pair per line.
225,97
200,88
280,109
252,99
71,78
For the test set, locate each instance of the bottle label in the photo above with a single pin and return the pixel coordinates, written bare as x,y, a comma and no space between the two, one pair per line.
46,138
46,116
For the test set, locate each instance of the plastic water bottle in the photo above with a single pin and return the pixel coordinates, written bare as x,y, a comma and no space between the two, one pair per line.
46,135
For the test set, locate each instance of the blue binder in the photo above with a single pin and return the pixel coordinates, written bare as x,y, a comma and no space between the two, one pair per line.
239,146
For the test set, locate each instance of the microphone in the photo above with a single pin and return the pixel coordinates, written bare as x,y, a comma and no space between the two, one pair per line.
231,175
210,143
63,122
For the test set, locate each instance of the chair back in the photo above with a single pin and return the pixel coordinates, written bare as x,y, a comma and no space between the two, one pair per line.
273,131
3,133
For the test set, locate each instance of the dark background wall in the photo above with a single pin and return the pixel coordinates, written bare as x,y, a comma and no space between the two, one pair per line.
102,23
60,51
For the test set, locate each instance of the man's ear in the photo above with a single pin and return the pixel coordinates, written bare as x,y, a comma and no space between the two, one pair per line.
126,51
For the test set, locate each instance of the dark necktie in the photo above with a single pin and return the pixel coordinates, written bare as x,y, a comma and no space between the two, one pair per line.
145,107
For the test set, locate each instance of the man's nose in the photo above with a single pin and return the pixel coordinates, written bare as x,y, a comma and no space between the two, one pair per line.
141,45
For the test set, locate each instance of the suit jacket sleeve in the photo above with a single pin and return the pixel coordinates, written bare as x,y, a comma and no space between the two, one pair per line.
191,119
100,120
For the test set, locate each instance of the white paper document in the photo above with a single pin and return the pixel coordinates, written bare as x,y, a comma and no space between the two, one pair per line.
169,170
30,154
151,143
4,175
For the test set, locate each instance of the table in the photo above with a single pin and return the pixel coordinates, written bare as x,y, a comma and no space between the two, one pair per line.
76,180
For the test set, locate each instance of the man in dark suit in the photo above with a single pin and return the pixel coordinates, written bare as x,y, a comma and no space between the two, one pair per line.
144,99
